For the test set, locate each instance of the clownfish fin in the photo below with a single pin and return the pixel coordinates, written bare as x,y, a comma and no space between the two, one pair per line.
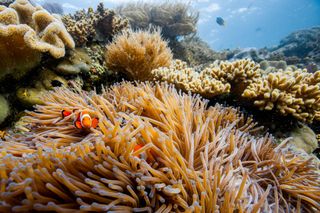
77,124
137,147
65,113
95,122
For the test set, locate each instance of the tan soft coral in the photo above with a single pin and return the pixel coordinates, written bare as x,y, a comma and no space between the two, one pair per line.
136,54
26,32
205,159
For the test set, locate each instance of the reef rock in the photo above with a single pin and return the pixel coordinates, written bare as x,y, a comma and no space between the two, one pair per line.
26,32
302,43
304,138
78,61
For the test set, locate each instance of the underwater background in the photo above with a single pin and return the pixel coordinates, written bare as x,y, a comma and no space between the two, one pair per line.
250,23
160,106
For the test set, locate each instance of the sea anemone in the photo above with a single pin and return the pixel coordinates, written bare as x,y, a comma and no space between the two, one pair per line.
194,158
135,54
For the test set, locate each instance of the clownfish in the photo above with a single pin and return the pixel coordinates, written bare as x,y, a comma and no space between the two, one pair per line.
83,119
148,155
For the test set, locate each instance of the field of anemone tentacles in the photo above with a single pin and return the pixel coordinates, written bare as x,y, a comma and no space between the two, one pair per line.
192,158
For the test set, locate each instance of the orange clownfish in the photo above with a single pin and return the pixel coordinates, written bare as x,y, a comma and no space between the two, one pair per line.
148,155
83,119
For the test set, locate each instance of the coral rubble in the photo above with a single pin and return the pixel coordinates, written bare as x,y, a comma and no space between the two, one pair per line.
136,54
26,32
90,26
196,158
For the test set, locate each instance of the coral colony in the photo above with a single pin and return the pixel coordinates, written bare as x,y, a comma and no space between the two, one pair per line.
151,142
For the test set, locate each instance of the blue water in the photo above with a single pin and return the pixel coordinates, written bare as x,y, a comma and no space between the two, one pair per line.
249,23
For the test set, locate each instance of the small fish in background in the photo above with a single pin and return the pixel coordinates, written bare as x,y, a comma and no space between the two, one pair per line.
148,155
220,21
83,120
258,29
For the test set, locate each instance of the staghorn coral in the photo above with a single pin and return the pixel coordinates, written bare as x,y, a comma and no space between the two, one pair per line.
175,19
26,32
136,54
291,92
89,26
205,159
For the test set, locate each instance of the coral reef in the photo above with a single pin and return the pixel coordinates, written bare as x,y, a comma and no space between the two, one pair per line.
175,19
136,54
90,26
195,51
219,78
195,158
299,48
26,32
303,44
290,92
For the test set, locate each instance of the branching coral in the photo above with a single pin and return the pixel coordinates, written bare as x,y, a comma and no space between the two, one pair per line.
89,26
217,79
289,92
136,54
25,32
199,159
175,19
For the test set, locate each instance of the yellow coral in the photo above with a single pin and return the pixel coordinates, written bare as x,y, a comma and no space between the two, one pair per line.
136,54
25,32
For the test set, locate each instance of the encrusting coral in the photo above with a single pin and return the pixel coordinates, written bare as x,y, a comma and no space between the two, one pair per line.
192,158
136,54
89,26
175,19
26,32
290,92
